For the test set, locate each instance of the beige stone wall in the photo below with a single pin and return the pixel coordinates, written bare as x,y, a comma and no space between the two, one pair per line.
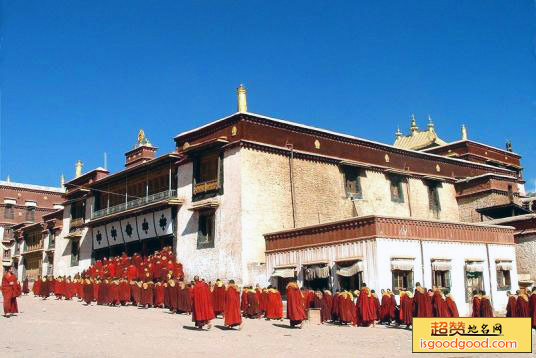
525,255
469,204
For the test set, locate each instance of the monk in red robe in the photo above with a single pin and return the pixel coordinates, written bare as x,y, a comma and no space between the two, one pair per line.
522,304
124,292
385,307
274,306
173,294
202,310
406,308
36,288
422,302
88,291
532,307
485,306
253,310
244,300
439,304
218,297
476,304
347,310
326,306
295,308
9,293
231,313
451,306
367,307
511,310
159,295
335,306
25,287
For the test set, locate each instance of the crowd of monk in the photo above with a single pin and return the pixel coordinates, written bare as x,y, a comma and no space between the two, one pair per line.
158,281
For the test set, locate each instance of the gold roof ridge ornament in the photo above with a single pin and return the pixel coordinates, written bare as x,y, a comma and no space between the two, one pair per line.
464,132
413,128
242,101
416,139
142,140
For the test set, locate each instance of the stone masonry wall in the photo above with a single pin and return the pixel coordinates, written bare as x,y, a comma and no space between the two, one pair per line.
469,204
525,253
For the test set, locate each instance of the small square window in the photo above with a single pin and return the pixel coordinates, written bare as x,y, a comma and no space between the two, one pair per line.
395,185
352,182
503,280
205,233
402,280
441,279
75,252
9,212
434,203
30,213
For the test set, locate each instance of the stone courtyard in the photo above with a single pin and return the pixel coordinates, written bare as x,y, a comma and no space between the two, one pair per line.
54,328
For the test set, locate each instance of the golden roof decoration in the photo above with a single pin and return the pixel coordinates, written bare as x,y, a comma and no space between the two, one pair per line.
142,140
418,140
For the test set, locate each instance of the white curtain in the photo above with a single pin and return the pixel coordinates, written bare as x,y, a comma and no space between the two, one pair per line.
504,265
284,272
316,271
402,264
350,270
474,267
441,265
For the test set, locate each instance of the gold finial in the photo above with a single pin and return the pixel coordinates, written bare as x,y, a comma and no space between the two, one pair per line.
413,127
398,133
464,132
430,124
78,168
62,180
141,136
242,102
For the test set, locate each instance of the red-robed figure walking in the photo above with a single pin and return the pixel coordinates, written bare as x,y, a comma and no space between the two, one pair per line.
274,305
9,293
218,297
295,308
511,309
202,310
231,312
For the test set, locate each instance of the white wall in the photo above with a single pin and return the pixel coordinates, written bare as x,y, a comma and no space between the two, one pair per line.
224,261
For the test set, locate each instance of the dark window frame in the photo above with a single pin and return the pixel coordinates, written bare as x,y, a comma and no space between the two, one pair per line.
9,211
434,201
75,253
196,177
206,229
407,278
395,181
352,175
506,275
445,278
30,213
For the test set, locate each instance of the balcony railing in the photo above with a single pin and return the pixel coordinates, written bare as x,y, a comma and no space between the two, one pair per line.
33,248
206,186
153,198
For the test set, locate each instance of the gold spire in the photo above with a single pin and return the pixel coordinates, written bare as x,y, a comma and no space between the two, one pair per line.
242,102
464,132
78,168
398,133
62,180
430,124
413,127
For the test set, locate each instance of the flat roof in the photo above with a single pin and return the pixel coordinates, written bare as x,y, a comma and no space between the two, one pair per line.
416,152
32,186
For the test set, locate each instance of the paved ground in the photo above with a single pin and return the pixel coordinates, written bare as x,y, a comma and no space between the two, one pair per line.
69,329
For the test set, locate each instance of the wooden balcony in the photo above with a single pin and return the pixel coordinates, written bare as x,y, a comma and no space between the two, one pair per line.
206,186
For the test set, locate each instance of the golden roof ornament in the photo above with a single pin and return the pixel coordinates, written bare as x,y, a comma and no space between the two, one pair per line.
430,124
398,133
413,126
464,132
142,140
242,102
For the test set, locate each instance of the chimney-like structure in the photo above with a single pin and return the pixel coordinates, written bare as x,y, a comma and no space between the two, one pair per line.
242,102
78,169
143,151
464,132
62,181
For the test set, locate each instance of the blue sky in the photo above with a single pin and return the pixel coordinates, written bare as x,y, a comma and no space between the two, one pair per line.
79,78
